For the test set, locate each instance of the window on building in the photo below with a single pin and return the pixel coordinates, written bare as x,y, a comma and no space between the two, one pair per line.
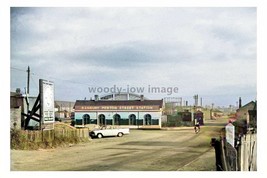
147,119
132,119
117,118
102,119
86,119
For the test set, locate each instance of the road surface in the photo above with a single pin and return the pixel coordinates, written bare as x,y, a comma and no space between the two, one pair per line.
174,149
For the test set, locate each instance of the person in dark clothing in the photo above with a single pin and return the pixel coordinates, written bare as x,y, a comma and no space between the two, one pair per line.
197,125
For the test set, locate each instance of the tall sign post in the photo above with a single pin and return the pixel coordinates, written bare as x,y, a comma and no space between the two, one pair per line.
47,110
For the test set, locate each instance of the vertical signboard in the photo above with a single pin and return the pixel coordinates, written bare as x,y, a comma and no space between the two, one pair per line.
230,134
47,102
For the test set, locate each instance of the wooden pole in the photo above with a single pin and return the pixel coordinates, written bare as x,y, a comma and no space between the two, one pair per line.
28,80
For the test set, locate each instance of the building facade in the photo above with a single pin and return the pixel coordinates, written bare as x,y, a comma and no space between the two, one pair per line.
63,110
16,107
131,113
242,112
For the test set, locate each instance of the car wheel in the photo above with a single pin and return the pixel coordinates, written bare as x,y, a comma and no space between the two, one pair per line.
120,134
99,135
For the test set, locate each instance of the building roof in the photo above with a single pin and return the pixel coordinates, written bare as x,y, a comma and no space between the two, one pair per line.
64,104
249,106
122,96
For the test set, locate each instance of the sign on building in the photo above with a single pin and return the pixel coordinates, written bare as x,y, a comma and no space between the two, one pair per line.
47,101
230,134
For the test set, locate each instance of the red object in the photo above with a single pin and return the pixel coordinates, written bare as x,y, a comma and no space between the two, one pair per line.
232,119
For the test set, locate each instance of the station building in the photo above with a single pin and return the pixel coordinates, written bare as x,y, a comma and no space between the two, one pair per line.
119,110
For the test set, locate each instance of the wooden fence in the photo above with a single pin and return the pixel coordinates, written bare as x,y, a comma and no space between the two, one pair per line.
248,152
50,135
242,157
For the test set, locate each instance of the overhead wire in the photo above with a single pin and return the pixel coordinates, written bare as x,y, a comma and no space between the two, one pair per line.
50,77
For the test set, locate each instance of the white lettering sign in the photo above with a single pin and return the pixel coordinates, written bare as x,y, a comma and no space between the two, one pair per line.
47,101
230,134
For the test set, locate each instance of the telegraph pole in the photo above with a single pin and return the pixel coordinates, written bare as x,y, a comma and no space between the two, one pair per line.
28,81
27,97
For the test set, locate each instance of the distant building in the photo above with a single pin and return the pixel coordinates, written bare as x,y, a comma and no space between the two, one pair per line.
242,112
216,113
63,109
135,113
248,114
16,107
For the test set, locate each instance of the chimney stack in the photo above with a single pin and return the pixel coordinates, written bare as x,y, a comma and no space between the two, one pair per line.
142,97
240,102
196,99
96,98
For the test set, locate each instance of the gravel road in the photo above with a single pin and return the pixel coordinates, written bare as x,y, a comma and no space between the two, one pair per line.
175,149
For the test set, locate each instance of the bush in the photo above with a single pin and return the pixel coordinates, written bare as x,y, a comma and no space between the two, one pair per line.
25,140
175,121
18,140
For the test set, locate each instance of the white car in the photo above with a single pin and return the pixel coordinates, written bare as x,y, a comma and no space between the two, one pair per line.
108,132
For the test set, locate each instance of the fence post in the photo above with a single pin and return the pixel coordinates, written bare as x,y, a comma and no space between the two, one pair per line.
243,154
225,168
217,146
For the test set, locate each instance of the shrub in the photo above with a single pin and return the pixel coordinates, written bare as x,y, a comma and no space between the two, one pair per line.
175,121
24,140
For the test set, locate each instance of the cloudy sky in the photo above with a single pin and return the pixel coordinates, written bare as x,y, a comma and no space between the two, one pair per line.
206,51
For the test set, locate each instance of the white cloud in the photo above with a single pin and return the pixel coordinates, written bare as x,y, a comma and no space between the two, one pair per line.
159,46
